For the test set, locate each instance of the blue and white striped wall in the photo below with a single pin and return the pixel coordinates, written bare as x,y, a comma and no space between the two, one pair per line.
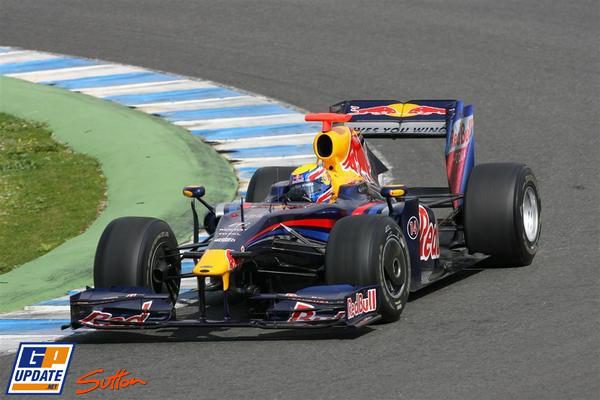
250,131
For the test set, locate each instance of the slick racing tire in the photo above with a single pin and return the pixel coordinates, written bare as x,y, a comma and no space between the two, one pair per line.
502,213
368,250
138,251
262,180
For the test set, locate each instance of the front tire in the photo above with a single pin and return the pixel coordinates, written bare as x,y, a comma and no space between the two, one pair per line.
502,211
371,250
140,252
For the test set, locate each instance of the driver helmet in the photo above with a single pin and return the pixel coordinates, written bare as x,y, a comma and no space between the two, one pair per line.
311,183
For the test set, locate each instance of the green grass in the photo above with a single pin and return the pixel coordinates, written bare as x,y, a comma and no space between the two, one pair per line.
48,194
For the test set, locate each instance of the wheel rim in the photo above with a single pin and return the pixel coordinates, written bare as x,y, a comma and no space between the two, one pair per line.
531,214
394,268
161,268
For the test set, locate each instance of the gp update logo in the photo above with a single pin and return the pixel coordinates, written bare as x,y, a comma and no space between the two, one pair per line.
40,368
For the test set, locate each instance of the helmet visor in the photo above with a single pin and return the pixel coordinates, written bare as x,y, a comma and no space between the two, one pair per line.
306,191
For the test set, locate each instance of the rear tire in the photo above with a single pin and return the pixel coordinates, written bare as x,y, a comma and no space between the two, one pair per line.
502,210
133,251
262,180
371,250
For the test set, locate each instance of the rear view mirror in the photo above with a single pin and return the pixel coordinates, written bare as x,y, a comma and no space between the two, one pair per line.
195,192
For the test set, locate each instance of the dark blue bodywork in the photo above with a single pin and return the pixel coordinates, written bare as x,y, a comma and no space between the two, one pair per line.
272,230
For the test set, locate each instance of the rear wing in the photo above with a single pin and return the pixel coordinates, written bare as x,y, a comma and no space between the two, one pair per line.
393,119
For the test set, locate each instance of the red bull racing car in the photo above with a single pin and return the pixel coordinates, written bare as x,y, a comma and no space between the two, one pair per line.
323,244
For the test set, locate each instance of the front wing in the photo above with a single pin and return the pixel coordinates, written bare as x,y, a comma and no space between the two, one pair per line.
311,307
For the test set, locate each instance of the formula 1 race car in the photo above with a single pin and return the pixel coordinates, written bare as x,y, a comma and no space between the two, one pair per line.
348,257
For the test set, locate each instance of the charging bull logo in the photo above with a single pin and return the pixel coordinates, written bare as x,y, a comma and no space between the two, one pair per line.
100,318
392,110
429,246
423,110
398,110
40,368
357,160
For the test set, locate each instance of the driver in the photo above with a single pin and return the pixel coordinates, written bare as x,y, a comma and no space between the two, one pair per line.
310,183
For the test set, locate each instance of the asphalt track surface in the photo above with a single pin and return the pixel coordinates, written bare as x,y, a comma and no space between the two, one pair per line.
530,69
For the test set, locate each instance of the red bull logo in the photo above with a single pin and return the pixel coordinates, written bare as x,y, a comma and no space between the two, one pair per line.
391,110
462,134
99,318
306,313
357,160
398,110
425,110
429,242
361,305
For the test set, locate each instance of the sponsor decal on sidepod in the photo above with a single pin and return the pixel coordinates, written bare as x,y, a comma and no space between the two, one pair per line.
429,246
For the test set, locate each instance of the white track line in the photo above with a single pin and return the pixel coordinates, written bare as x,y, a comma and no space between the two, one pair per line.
47,308
143,88
281,160
263,141
9,344
88,71
11,52
24,56
225,123
204,104
36,314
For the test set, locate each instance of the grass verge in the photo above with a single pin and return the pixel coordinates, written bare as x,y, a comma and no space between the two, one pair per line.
48,193
146,162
